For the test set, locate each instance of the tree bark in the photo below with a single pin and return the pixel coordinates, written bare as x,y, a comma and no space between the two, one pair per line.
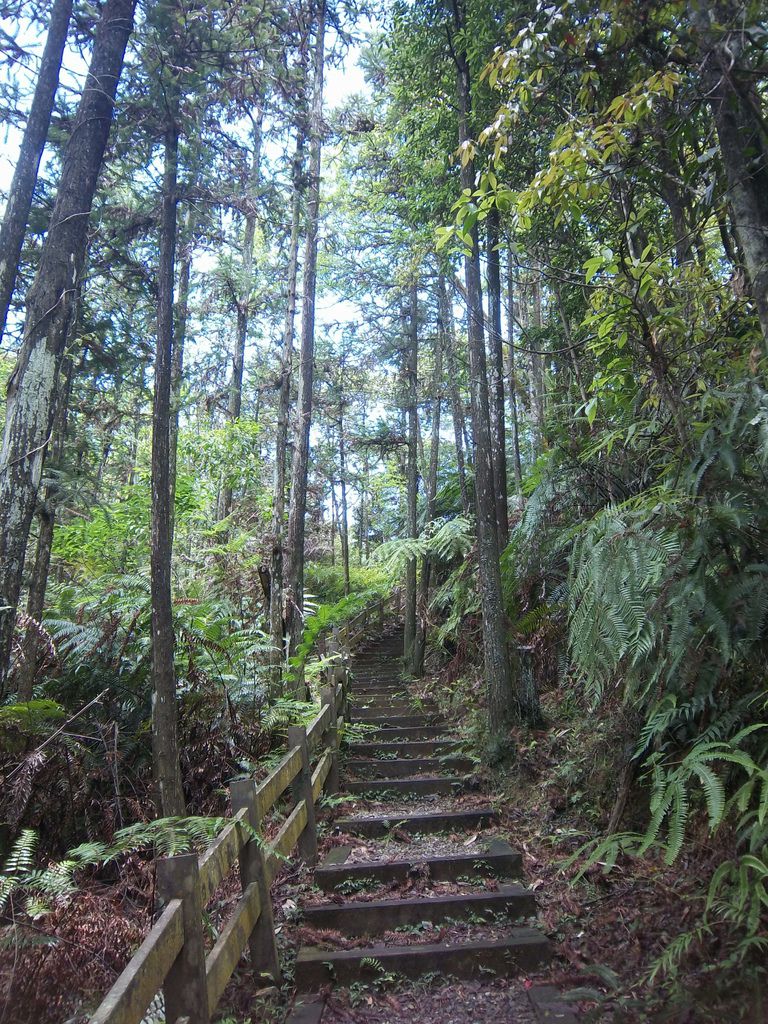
31,389
276,613
512,375
422,603
28,663
496,381
22,187
344,517
457,412
300,465
235,399
410,371
181,315
537,367
502,702
165,745
737,110
568,335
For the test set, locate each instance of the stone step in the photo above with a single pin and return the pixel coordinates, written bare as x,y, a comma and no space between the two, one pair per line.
374,716
402,748
393,768
522,949
384,706
377,691
493,858
426,785
376,916
424,824
386,734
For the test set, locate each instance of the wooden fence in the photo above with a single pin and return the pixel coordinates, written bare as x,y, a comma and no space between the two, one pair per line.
172,958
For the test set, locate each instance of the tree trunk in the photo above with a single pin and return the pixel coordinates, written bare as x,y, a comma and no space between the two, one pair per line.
32,387
422,603
344,517
568,335
496,381
537,367
410,371
276,613
165,747
177,362
457,412
512,374
28,663
502,703
235,399
300,466
363,504
729,85
276,610
32,145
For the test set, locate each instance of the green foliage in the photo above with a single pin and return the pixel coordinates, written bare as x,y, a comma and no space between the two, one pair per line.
322,620
326,582
441,541
43,888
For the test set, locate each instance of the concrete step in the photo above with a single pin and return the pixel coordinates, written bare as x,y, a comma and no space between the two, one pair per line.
424,786
376,916
374,716
377,691
384,706
388,733
523,949
421,823
493,858
402,748
393,768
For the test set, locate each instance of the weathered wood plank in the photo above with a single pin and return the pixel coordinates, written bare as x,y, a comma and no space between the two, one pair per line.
128,999
287,837
225,955
220,857
320,774
276,784
317,727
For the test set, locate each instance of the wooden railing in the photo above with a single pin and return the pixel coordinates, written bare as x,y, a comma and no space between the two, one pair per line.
172,958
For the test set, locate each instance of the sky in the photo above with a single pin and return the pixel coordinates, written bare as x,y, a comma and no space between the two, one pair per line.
341,82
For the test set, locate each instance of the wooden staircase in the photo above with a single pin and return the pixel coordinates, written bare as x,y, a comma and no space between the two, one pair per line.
420,855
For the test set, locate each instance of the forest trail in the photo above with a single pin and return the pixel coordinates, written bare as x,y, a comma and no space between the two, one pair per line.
421,884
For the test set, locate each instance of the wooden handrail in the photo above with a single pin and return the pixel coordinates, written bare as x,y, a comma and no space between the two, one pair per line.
173,954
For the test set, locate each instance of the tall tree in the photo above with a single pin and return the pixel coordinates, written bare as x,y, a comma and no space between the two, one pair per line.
496,378
276,622
165,744
410,375
445,313
514,417
502,701
728,82
22,187
244,289
300,465
30,406
420,645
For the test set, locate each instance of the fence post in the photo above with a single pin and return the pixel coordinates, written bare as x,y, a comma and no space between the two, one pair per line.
185,989
262,944
345,706
328,696
301,788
